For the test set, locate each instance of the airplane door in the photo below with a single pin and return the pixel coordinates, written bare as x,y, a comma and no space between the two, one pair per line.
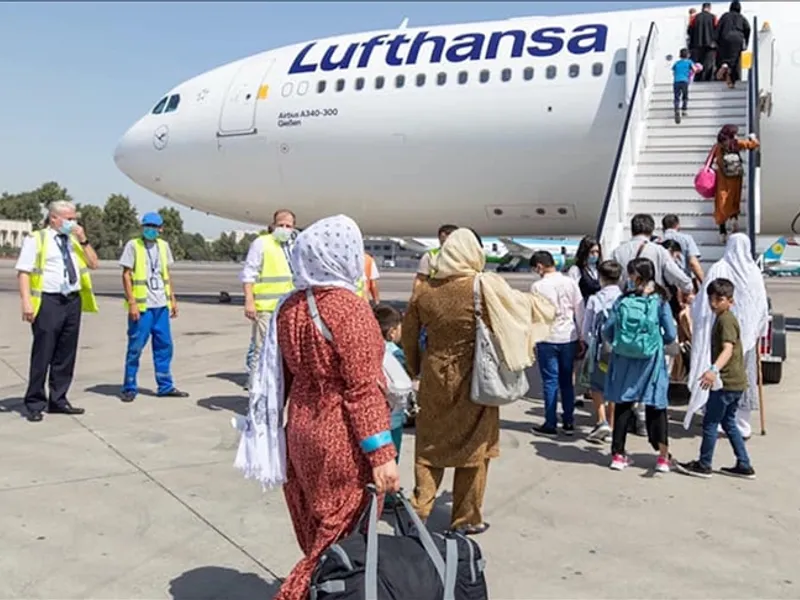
238,114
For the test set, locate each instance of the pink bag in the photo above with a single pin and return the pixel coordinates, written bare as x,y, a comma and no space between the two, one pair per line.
705,182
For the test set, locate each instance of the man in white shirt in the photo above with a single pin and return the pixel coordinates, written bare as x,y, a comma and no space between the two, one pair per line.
266,276
55,289
556,355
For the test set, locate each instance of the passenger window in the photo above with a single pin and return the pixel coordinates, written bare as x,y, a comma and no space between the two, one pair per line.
420,79
462,77
339,85
320,86
359,83
527,74
550,72
380,80
484,76
505,74
173,103
399,81
159,108
441,78
620,67
597,69
574,71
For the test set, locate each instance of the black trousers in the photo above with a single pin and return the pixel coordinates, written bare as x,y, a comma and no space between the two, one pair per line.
625,415
680,90
55,347
708,58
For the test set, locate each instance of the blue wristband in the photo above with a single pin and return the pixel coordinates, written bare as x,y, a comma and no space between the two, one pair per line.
713,369
376,441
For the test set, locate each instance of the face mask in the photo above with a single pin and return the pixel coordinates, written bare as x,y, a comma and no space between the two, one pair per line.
282,234
67,226
149,233
592,259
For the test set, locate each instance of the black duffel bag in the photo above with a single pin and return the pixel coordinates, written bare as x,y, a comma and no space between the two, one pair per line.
412,564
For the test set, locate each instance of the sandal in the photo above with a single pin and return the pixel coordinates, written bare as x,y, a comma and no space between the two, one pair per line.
472,529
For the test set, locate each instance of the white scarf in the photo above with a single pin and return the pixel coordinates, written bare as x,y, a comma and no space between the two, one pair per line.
330,253
750,308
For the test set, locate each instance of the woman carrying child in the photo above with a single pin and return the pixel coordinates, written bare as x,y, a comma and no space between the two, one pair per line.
637,328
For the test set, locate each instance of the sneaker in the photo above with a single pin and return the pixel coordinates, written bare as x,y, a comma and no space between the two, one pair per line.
739,471
662,465
544,430
684,112
677,117
693,468
568,429
127,396
608,437
599,433
620,462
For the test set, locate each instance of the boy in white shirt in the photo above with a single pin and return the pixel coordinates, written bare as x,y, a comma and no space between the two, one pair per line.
556,355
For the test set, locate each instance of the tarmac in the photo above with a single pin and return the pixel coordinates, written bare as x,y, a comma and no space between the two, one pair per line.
142,501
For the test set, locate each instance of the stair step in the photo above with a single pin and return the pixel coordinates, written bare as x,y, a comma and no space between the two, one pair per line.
701,101
669,181
682,143
692,120
669,193
684,130
667,169
701,207
740,95
705,238
734,113
699,85
681,152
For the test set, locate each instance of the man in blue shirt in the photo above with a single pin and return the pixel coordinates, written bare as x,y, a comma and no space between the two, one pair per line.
682,71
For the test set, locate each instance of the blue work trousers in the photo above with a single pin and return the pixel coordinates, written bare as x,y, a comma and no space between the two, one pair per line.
153,321
556,362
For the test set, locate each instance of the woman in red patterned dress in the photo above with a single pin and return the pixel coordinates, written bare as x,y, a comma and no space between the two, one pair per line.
337,432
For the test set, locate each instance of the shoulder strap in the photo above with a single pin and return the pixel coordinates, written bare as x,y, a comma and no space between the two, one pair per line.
710,157
315,316
641,247
476,295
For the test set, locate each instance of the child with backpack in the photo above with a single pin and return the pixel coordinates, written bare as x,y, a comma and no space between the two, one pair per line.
638,327
598,307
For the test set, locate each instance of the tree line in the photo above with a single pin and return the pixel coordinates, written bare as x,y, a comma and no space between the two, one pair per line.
109,227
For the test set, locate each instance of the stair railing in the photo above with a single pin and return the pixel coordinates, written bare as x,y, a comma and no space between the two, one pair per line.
611,223
754,156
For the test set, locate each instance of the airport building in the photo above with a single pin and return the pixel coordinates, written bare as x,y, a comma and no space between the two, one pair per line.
13,232
389,253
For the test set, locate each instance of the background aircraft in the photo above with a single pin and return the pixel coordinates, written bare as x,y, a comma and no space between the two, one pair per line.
772,263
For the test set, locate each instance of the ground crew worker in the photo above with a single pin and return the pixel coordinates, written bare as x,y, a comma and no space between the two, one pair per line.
266,277
55,288
150,301
367,286
424,269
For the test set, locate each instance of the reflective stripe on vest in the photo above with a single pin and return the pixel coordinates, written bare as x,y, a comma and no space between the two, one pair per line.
141,273
431,254
275,279
88,300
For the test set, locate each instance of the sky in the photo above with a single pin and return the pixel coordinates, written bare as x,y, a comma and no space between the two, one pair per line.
75,76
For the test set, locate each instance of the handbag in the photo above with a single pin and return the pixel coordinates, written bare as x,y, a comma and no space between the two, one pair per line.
493,383
705,182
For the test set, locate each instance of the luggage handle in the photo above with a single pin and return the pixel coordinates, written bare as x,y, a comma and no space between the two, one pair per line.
371,563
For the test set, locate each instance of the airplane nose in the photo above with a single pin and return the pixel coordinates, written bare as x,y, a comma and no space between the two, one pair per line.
133,156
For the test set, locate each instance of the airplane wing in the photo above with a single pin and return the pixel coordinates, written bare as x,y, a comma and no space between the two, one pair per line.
517,249
412,244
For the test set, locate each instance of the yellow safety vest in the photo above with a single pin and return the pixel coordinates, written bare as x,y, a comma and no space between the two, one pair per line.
431,254
141,273
88,300
361,284
276,276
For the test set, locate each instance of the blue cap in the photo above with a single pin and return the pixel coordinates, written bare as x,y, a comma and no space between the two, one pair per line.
153,219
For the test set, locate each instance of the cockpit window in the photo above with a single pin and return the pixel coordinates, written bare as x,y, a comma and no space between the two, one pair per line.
172,105
158,109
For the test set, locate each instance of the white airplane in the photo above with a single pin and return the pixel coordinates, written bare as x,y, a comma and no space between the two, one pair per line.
509,127
501,250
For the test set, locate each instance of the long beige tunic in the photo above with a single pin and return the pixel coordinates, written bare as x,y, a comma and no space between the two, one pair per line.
452,431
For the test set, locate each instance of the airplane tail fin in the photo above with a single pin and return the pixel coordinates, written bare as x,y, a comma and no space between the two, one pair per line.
775,251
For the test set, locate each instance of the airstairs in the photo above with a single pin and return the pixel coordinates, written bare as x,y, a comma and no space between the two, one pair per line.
657,158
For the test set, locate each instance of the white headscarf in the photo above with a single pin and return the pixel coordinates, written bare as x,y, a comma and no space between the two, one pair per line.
750,308
330,253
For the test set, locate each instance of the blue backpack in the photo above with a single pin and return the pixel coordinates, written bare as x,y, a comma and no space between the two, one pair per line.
637,331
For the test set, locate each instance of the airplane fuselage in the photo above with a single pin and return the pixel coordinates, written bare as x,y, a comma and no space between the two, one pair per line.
509,127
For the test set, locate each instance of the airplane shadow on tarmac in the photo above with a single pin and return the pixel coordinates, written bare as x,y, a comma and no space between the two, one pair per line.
212,583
